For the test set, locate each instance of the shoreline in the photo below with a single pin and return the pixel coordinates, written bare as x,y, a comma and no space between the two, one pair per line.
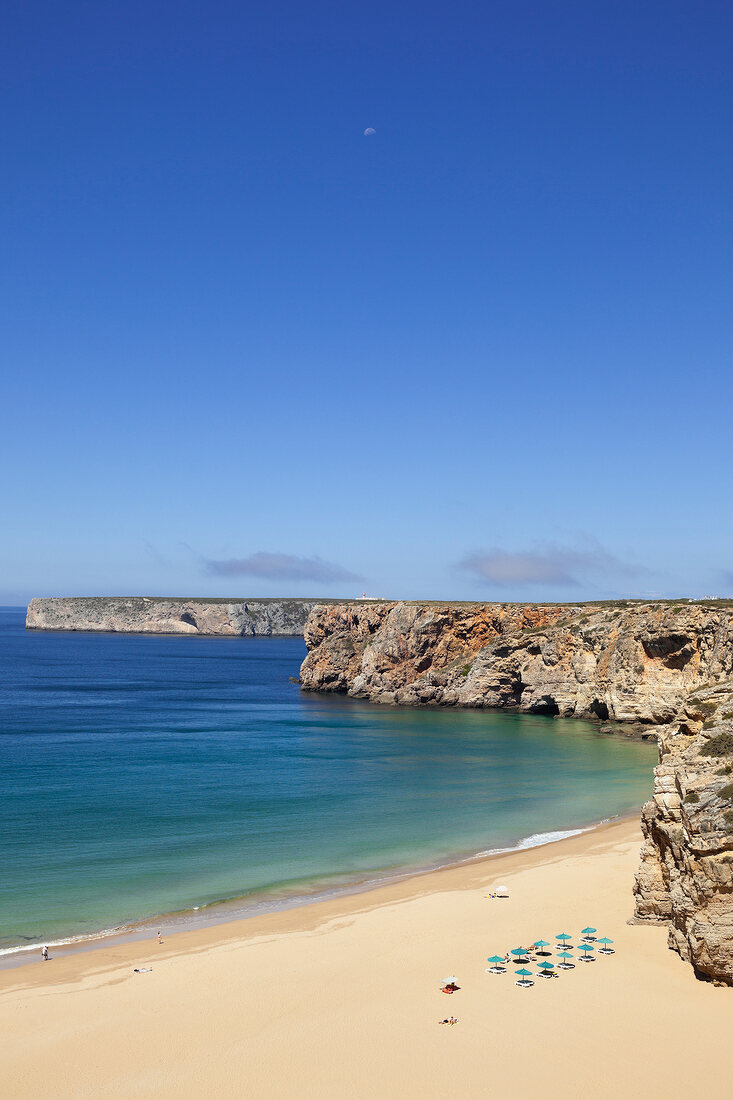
371,894
342,998
237,909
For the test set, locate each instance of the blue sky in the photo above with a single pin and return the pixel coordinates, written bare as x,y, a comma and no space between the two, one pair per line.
484,352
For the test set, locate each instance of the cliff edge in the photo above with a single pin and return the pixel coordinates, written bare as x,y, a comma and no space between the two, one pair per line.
667,668
686,872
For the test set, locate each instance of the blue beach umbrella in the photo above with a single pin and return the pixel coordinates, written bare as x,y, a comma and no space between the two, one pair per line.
563,937
496,961
519,952
585,957
588,932
546,968
524,974
565,965
541,944
605,950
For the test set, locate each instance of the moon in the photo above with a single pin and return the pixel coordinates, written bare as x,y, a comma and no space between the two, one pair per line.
369,131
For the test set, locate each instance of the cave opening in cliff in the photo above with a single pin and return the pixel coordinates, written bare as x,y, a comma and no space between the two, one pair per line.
546,705
188,618
599,709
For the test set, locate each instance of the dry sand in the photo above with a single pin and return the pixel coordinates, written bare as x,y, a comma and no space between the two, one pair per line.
342,998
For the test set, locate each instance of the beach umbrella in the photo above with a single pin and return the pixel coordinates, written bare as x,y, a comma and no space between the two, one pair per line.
585,947
565,965
605,950
501,890
542,943
524,974
588,932
496,961
563,936
546,967
518,951
451,979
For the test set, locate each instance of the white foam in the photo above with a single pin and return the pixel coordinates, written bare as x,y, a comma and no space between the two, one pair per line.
536,840
19,949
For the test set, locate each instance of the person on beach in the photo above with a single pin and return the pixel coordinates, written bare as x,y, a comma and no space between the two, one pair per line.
160,939
44,953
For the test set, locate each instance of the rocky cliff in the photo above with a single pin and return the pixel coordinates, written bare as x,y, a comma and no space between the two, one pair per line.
632,664
667,668
153,615
686,872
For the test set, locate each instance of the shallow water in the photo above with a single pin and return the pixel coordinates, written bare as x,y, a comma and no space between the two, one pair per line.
143,775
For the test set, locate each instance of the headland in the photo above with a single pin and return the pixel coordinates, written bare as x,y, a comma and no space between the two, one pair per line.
235,617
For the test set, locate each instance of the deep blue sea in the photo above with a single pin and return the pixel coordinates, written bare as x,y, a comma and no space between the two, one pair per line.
144,775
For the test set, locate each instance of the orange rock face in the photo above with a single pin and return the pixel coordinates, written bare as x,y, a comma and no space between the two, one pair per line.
374,649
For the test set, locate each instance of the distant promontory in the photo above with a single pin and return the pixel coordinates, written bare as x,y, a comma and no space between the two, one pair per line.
235,617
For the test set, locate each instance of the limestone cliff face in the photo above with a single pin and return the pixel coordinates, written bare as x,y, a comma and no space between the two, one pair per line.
635,664
686,872
378,651
667,667
152,615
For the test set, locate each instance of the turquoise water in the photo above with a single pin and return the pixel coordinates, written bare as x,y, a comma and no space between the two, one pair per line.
152,775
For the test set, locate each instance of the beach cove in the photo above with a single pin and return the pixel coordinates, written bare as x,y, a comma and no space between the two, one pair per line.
189,776
342,998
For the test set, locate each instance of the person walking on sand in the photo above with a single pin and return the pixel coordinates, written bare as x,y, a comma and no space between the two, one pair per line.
44,953
160,940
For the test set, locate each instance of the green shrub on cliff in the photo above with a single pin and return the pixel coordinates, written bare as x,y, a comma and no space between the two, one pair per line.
707,706
720,745
726,792
693,796
725,770
728,815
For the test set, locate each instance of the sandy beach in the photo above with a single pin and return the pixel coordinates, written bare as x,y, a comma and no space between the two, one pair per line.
342,998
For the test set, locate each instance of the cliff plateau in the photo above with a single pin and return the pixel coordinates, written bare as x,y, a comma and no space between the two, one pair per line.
156,615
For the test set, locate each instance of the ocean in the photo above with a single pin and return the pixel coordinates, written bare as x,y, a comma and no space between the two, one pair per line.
167,779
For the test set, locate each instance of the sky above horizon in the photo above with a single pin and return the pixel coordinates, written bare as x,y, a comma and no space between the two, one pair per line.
480,353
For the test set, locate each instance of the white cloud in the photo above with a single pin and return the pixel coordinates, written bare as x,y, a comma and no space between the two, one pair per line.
274,566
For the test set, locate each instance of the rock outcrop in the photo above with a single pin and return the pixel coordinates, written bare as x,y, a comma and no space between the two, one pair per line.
378,651
662,667
153,615
686,872
629,664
